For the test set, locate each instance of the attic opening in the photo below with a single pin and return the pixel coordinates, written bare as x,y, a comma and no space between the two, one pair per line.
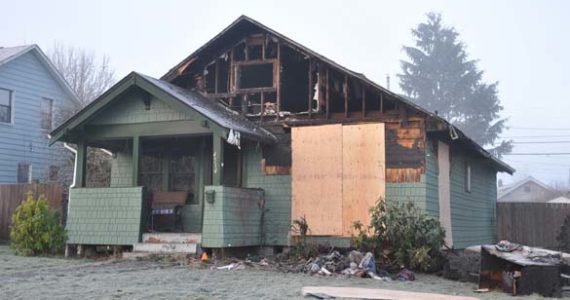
255,76
295,85
355,94
336,91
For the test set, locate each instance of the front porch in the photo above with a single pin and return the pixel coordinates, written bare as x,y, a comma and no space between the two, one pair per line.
173,171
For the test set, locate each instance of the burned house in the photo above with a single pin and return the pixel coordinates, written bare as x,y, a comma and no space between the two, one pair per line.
253,131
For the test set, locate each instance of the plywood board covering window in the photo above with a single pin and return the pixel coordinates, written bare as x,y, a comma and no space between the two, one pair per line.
338,174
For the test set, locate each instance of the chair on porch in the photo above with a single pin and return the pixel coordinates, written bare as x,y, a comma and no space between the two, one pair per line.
167,204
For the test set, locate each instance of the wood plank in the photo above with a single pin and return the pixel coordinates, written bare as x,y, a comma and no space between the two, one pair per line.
364,293
317,177
363,168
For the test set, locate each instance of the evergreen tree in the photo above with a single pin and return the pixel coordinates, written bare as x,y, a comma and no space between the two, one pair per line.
440,77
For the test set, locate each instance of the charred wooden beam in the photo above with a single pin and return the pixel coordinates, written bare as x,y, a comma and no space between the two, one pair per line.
327,105
310,87
277,79
363,101
345,91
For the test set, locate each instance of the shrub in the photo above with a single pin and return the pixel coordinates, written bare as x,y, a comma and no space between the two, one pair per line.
35,228
409,237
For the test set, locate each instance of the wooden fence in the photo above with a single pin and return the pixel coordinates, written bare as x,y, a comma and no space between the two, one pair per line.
11,195
532,224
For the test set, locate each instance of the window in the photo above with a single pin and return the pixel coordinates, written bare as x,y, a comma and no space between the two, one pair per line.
24,173
46,113
6,106
468,178
53,173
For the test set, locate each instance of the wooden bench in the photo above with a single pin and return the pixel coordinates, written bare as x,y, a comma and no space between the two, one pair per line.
169,204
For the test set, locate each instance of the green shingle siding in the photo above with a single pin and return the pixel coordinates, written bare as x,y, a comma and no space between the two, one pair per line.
121,169
131,109
277,190
104,216
233,219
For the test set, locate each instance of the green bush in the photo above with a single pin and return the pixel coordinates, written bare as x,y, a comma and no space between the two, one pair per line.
402,234
35,228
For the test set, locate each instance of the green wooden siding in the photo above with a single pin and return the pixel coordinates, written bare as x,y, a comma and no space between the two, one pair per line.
131,109
472,214
233,219
277,190
407,192
105,216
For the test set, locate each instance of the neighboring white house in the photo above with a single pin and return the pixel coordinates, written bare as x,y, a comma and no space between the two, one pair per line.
526,190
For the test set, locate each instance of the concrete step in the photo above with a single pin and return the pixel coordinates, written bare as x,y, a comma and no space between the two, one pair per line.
169,248
172,238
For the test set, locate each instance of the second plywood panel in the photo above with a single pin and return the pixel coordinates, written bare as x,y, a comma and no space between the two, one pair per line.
363,163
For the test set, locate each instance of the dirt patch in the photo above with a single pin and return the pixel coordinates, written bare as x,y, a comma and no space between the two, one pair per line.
56,278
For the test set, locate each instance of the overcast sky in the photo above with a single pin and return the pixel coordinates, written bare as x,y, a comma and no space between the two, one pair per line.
522,44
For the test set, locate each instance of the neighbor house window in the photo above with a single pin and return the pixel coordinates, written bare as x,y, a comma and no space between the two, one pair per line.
468,178
6,106
46,113
24,173
53,173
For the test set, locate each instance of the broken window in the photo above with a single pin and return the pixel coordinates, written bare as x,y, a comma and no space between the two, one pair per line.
255,75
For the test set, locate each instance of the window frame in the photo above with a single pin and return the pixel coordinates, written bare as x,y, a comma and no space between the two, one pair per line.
29,172
43,114
12,97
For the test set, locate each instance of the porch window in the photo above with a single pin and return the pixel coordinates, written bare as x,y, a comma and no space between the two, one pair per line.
6,106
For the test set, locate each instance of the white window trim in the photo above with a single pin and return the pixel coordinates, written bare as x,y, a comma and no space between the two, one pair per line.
12,108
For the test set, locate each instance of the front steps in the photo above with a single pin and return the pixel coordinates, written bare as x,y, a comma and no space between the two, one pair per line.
166,243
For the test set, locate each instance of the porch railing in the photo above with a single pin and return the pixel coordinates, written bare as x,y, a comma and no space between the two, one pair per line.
233,217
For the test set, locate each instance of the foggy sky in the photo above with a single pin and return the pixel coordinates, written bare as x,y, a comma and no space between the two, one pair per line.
521,44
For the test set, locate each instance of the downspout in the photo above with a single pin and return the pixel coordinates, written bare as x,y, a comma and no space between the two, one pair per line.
74,164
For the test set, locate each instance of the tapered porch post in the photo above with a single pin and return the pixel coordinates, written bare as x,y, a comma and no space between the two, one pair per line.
136,159
217,160
80,171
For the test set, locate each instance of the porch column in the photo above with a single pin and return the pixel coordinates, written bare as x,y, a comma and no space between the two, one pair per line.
136,159
217,161
81,167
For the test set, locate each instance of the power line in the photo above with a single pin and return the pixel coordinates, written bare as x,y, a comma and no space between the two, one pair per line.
541,128
538,153
541,142
535,136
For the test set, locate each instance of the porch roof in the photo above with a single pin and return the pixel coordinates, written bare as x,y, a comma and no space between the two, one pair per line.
209,109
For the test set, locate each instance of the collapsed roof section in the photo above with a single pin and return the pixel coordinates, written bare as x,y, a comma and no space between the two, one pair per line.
201,62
